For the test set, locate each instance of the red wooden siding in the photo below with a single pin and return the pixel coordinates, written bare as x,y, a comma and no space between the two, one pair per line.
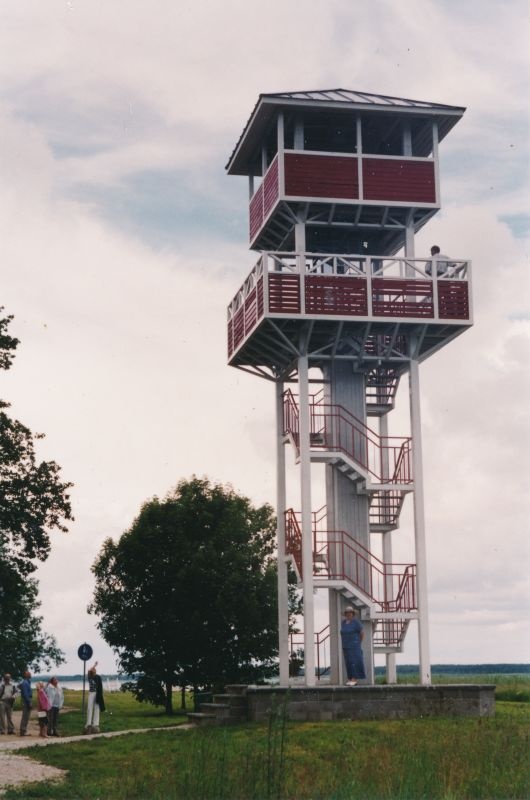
270,188
401,298
329,294
321,176
256,212
395,180
246,317
453,300
284,293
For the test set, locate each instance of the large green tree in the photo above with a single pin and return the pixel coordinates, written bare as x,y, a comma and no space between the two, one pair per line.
33,502
187,596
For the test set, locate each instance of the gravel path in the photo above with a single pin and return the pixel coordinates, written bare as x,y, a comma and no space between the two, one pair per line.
17,769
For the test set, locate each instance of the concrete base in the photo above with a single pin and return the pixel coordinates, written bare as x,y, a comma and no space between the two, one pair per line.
327,703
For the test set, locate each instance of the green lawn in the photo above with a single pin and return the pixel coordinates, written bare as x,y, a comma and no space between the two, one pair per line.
424,759
122,713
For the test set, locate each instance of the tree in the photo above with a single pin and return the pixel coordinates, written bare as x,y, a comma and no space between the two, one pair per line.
33,502
187,596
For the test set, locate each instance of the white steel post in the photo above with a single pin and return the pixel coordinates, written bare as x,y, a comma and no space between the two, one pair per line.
307,528
419,524
390,658
283,591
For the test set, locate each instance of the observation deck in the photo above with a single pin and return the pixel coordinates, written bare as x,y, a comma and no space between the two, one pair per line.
366,191
364,303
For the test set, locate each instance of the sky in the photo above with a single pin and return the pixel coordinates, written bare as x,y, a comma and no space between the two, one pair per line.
123,240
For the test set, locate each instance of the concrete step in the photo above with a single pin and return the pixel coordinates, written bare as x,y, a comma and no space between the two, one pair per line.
224,713
237,688
233,700
199,718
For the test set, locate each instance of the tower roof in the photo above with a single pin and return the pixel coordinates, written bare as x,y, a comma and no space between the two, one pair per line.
332,100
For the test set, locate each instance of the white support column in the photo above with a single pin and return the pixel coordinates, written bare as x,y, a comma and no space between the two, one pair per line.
283,591
390,658
419,524
307,528
359,142
299,134
280,141
436,162
299,246
407,139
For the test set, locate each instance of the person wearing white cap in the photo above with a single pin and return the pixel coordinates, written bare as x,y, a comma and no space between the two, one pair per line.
352,634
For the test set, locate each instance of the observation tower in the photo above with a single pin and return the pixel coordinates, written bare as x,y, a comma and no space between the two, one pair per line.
336,311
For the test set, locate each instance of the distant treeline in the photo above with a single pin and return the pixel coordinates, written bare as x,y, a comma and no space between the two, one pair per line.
461,669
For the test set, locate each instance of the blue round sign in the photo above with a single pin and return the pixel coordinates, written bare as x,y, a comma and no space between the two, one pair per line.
85,652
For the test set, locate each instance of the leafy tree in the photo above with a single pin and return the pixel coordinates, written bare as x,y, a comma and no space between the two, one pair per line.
187,596
33,502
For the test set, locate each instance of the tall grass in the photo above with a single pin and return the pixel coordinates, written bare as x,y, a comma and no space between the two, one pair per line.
423,759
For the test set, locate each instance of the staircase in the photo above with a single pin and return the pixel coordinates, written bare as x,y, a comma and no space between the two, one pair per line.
226,709
337,557
380,467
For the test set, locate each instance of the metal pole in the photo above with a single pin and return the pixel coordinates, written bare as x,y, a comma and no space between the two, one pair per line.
419,524
307,533
83,701
283,591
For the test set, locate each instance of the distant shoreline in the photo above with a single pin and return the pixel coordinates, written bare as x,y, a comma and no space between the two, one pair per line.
402,669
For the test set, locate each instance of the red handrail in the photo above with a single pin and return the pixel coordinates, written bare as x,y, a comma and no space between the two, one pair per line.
336,553
335,428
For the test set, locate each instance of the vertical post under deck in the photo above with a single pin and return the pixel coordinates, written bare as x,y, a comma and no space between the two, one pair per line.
390,658
307,528
419,524
283,589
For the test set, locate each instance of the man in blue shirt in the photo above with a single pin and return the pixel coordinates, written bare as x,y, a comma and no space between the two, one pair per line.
26,693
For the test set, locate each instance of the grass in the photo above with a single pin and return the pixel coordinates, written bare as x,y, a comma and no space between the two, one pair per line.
423,759
123,712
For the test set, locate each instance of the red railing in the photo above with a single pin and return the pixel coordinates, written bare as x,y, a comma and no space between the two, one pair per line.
338,557
386,459
296,642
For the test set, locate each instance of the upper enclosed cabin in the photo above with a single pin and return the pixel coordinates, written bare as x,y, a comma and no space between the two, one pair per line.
360,165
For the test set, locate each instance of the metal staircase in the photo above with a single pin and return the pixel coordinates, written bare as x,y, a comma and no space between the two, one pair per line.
380,467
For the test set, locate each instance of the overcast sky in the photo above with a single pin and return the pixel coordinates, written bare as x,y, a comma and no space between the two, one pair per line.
123,242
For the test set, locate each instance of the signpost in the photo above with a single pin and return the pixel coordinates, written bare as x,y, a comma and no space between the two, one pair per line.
85,653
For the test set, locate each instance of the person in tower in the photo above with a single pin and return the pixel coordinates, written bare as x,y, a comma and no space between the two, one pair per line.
96,703
8,692
352,634
441,261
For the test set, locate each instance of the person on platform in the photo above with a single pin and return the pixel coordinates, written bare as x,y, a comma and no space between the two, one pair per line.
352,634
8,692
43,706
441,261
26,694
56,698
96,703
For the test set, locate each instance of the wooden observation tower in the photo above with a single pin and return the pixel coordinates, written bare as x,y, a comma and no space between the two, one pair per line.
336,310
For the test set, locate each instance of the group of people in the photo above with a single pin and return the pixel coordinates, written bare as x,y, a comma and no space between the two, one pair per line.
50,699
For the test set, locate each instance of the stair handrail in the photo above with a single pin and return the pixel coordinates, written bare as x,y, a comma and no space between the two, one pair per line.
327,420
376,586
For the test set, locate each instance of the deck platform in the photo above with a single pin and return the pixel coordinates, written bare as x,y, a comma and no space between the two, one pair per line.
404,701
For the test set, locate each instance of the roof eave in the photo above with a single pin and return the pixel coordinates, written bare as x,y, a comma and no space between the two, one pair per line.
237,162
